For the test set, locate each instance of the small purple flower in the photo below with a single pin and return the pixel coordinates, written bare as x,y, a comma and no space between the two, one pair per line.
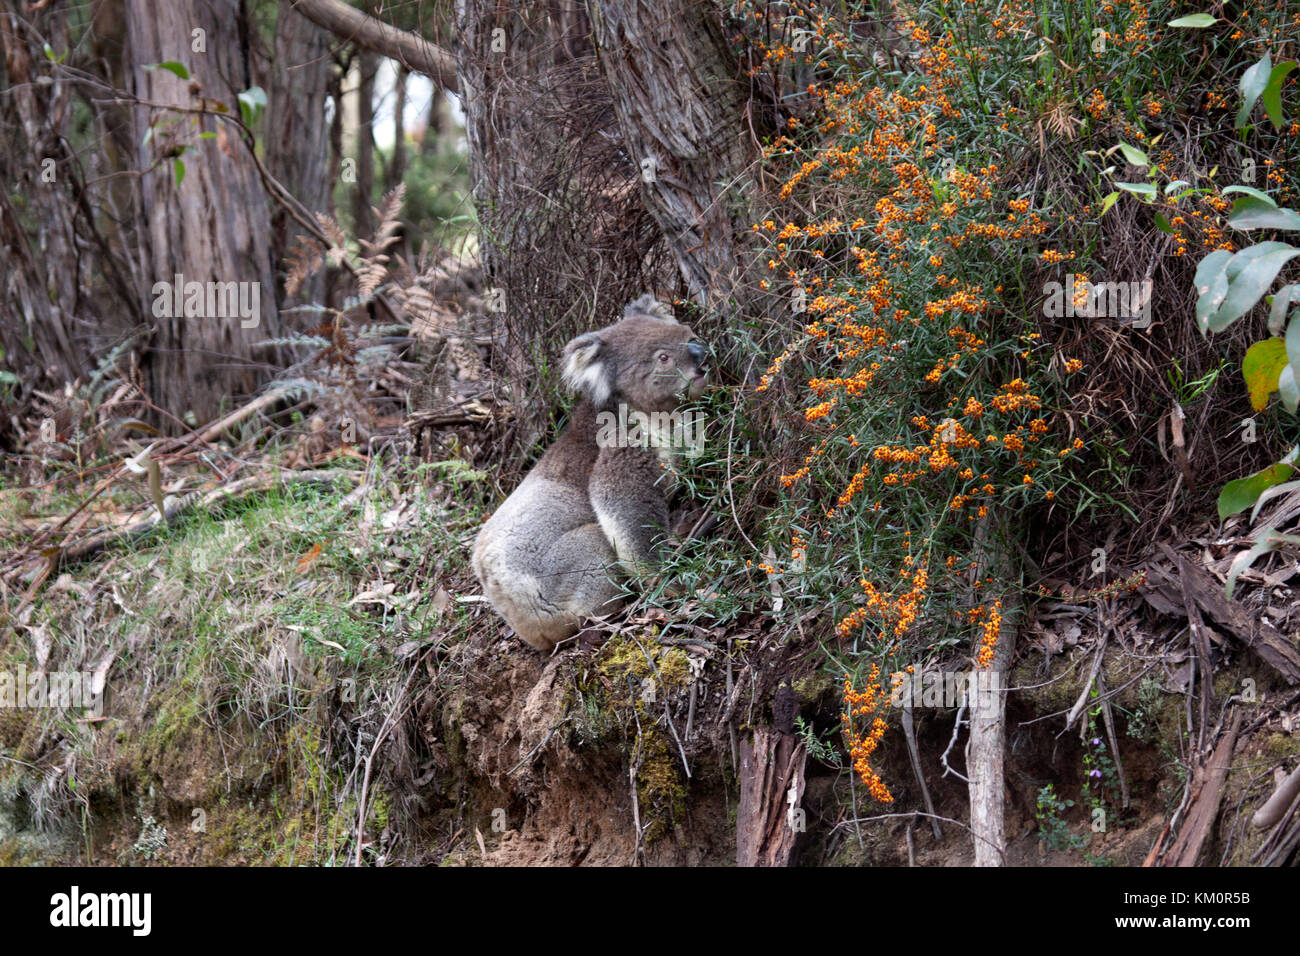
1094,773
1096,741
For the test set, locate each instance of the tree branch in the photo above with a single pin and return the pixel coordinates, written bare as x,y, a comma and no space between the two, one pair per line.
415,53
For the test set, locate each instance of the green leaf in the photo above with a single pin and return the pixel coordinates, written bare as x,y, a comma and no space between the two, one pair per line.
1277,315
1285,488
1176,184
178,168
1134,156
171,66
1253,82
1273,92
1266,541
1195,21
251,103
1250,213
1239,495
1292,335
1108,202
1250,273
1261,367
1287,390
1211,285
1139,189
1163,224
1250,191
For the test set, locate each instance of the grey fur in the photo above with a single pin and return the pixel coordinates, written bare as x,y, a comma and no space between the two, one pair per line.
553,552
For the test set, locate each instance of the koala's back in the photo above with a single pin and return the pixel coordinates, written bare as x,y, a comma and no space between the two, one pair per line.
549,554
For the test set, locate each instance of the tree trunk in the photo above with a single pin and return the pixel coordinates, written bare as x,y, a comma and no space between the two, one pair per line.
297,135
362,218
397,164
769,817
55,315
212,227
564,237
436,125
681,107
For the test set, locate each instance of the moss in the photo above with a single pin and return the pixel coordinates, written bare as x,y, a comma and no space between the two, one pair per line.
1282,745
661,793
623,657
809,690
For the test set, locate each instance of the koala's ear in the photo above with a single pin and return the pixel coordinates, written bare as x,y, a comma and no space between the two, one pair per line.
648,305
584,367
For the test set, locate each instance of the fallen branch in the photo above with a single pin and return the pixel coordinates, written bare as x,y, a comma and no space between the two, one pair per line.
1270,814
1205,590
1203,809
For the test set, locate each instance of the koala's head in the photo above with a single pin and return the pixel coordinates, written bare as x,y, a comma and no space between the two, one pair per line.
648,360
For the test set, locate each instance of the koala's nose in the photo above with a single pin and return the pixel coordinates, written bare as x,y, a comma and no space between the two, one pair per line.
697,352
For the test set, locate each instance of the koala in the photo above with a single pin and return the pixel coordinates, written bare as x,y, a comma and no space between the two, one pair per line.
591,509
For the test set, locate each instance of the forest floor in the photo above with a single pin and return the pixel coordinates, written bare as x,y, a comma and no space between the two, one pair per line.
304,673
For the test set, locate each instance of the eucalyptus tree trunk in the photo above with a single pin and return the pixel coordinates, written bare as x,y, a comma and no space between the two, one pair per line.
55,263
208,222
297,135
681,105
564,236
362,215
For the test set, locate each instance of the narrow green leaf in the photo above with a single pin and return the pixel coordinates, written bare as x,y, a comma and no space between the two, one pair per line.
1163,224
1277,314
1147,190
178,168
1239,495
1134,156
1241,562
1292,334
1250,191
1285,488
1287,390
1195,21
1108,202
1252,85
171,66
1273,92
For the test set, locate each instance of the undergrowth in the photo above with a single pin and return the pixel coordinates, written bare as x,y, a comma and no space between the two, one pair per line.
940,188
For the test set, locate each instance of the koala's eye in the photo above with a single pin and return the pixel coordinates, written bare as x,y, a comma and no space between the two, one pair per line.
664,358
